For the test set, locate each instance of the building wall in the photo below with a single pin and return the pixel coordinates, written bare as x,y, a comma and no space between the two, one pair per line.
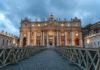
7,40
51,33
92,38
92,41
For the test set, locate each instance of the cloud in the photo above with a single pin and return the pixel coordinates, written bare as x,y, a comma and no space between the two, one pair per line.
7,24
12,11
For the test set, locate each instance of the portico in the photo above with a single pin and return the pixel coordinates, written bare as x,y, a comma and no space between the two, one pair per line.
51,33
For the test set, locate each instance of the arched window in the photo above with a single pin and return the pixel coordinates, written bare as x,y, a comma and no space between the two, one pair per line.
24,41
77,41
3,42
98,43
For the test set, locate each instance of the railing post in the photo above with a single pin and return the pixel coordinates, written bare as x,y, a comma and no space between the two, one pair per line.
98,67
87,60
3,56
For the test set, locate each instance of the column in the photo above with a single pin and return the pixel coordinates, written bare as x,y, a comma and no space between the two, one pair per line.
65,38
57,38
31,39
21,40
53,39
60,38
34,38
72,38
80,40
43,38
47,39
28,39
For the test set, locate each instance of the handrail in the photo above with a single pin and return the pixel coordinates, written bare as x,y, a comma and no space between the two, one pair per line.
86,58
14,55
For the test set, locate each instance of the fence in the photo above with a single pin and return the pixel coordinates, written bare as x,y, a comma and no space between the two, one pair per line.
86,58
14,55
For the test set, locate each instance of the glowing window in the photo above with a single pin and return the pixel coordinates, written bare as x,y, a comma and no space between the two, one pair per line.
45,24
33,25
24,35
62,24
14,41
50,33
88,41
62,34
55,23
38,24
76,34
68,24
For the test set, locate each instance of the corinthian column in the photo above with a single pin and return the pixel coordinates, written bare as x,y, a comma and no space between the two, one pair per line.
34,38
65,38
43,38
21,40
53,39
80,40
47,40
73,38
28,39
57,38
60,38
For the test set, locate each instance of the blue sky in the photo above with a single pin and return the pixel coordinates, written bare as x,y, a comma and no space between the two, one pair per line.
12,11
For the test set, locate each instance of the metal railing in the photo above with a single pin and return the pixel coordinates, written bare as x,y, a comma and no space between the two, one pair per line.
86,58
14,55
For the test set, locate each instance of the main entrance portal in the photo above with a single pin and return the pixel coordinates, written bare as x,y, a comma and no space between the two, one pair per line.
50,40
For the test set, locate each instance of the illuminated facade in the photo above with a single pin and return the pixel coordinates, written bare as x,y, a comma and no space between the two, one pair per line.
51,32
92,38
7,40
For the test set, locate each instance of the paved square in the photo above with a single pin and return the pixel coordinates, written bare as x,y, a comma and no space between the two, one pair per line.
46,60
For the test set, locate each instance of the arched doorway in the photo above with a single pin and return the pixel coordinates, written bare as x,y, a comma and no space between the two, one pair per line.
76,41
50,37
24,41
62,40
38,42
51,40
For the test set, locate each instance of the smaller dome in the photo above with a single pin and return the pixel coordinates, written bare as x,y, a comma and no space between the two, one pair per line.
51,16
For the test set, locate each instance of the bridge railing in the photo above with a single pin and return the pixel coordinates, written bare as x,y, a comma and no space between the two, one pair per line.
86,58
14,55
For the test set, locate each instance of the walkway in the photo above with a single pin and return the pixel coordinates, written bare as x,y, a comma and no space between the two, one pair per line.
46,60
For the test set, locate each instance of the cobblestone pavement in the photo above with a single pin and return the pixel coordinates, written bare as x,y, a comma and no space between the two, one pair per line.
46,60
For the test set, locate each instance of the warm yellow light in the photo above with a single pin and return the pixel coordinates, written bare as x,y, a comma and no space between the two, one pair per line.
33,25
62,24
88,41
14,41
55,23
24,35
50,33
62,34
76,34
50,38
68,24
38,34
38,24
45,24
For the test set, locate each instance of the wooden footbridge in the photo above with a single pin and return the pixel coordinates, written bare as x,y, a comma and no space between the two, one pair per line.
48,58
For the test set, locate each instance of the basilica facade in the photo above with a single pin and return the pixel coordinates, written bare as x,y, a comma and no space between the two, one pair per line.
51,32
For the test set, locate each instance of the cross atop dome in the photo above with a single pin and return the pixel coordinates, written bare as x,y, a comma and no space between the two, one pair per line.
51,18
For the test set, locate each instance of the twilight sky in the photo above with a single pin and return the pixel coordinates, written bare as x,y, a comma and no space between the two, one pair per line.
12,11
